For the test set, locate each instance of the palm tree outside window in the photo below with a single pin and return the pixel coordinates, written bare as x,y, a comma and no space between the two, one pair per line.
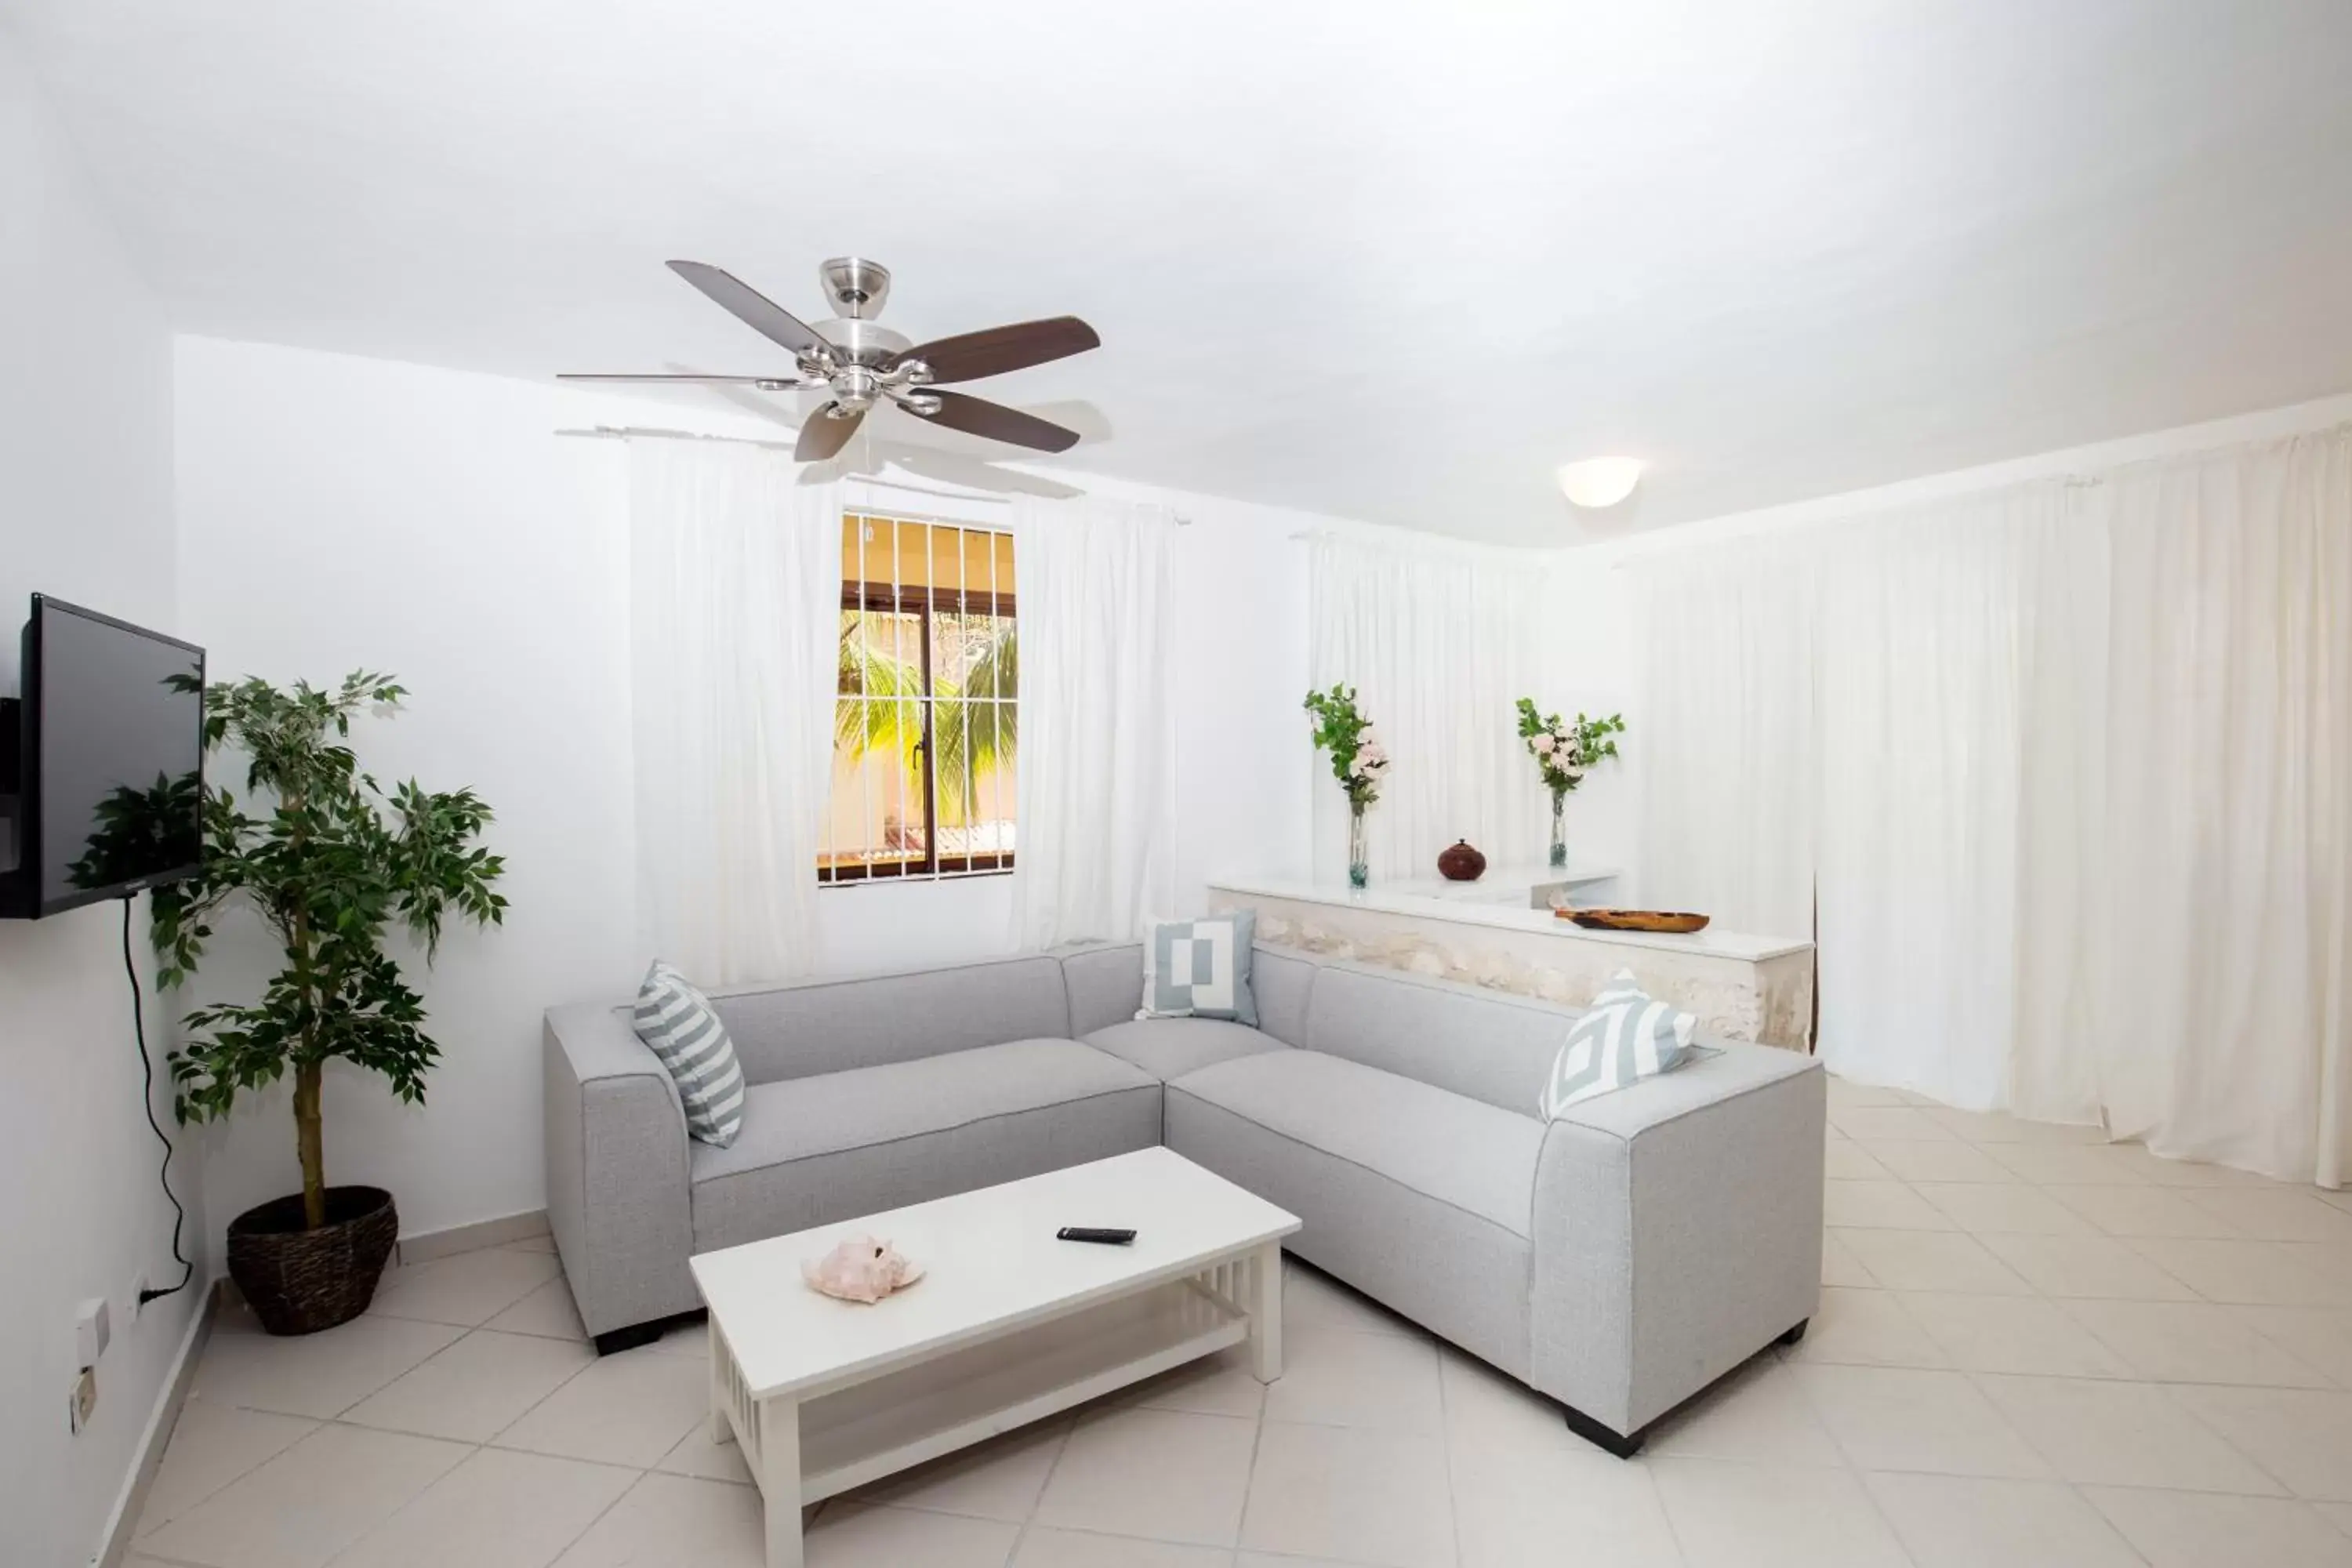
926,719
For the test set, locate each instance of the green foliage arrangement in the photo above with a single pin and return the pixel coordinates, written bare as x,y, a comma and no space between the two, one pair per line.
1565,751
330,862
1358,759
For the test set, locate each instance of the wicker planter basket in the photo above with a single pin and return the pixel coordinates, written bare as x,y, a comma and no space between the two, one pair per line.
299,1281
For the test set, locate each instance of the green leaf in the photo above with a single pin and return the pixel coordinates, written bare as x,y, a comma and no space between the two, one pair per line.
328,864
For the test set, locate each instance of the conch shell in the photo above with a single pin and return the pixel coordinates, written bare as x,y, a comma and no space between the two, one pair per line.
860,1268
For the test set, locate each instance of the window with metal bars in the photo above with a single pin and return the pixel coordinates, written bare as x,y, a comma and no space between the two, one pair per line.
926,725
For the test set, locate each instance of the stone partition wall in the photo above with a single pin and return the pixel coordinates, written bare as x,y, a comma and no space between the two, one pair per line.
1738,990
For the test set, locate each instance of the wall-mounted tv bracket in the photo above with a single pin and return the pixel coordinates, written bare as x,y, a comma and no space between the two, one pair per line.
13,892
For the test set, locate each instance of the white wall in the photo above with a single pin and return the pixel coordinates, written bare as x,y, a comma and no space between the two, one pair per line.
340,513
85,514
337,512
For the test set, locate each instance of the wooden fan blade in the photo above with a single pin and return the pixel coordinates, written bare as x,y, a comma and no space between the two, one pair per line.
773,383
978,416
999,348
750,306
821,434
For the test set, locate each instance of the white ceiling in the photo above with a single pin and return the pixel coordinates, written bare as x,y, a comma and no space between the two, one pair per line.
1388,262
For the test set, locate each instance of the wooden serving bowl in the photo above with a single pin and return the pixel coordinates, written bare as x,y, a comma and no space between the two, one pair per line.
1666,921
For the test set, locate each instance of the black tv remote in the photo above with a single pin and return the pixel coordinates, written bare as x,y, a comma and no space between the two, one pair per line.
1108,1237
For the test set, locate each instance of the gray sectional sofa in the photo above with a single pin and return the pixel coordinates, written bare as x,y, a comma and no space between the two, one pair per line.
1619,1260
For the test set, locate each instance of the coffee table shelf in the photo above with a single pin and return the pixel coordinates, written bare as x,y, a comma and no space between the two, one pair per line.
877,1428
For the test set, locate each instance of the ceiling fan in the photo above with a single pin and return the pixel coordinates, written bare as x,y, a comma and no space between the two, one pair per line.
860,362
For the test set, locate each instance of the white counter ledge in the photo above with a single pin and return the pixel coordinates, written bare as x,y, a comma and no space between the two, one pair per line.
1742,986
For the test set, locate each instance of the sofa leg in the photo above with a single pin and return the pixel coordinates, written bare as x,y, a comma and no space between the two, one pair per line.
630,1338
1616,1444
1793,1335
637,1334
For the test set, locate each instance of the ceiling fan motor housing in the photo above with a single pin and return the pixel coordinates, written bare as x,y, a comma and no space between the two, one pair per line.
861,342
858,287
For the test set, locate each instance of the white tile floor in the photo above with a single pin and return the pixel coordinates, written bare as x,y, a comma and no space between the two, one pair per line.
2032,1349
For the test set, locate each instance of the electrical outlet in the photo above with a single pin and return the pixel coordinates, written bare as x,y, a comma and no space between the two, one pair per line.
93,1328
84,1404
137,1295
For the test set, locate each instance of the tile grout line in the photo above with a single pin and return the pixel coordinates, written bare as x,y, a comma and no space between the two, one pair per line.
626,1493
477,1449
316,1422
1445,1441
1029,1521
2162,1387
1257,1432
474,1448
1257,1445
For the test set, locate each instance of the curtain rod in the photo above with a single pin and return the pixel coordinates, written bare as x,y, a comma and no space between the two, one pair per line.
927,490
622,432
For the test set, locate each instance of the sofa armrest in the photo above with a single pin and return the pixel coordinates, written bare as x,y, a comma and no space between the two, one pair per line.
618,1196
1678,1231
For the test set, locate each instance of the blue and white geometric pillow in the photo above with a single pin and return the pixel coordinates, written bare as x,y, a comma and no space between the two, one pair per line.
1200,969
1627,1035
679,1023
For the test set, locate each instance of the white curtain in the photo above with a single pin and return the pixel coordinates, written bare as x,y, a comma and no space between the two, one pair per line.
1726,756
1098,729
1922,686
2074,760
735,579
1440,642
2061,656
2224,1027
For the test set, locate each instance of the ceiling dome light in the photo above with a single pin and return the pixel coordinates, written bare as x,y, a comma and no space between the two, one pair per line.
1598,482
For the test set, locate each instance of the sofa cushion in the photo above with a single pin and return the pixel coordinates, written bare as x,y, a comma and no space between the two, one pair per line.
801,1031
1285,983
1171,1048
1200,968
1103,983
676,1023
841,1144
1418,1197
1447,1147
1494,1048
1626,1035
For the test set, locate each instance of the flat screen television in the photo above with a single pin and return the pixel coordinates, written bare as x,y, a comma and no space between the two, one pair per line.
109,761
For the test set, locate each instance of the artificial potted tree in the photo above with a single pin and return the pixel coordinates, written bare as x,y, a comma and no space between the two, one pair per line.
330,862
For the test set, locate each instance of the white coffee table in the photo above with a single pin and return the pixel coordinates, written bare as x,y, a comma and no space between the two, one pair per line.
1007,1326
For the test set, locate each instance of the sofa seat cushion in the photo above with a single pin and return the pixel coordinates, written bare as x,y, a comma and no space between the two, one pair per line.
1417,1198
1445,1146
1171,1048
841,1144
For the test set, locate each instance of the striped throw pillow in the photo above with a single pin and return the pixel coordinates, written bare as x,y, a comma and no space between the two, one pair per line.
677,1021
1626,1035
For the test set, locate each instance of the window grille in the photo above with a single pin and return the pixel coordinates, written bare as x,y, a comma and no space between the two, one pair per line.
926,719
